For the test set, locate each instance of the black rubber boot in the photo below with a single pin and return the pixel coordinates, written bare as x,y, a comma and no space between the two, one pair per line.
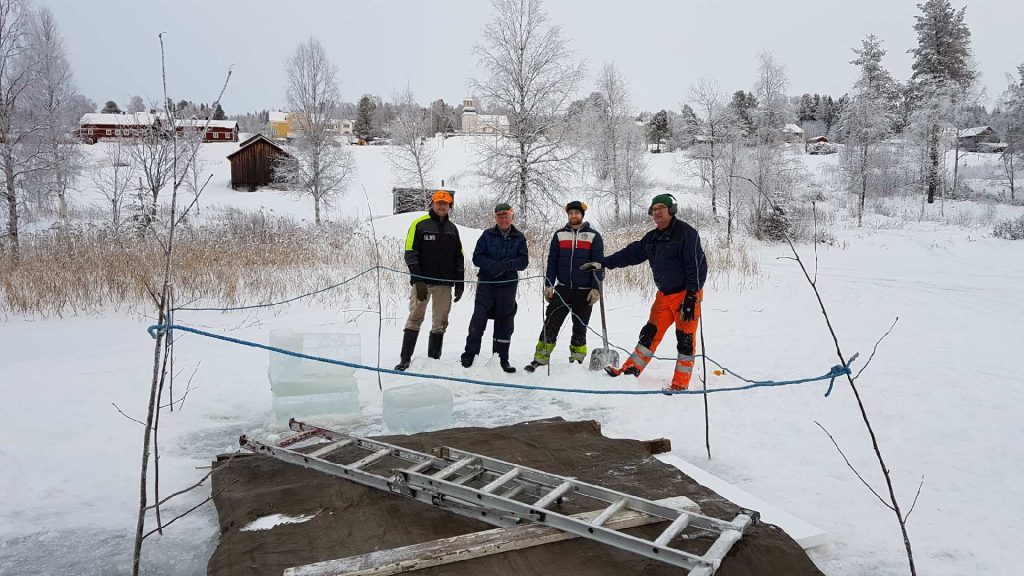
501,349
408,345
434,345
467,360
533,366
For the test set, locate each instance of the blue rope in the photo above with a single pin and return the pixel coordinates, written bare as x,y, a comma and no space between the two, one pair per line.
832,374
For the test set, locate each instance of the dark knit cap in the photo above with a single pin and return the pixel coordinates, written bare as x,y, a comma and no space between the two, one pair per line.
576,205
667,199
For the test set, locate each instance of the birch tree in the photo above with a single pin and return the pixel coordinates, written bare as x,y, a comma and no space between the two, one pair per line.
714,118
319,166
412,151
51,99
113,177
17,73
531,74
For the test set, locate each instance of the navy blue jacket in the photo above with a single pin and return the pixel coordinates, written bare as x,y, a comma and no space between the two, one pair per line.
675,255
500,257
571,249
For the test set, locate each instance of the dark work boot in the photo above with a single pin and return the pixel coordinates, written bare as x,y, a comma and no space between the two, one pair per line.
434,345
467,360
501,349
408,345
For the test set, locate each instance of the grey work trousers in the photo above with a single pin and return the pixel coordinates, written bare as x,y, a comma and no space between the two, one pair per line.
441,296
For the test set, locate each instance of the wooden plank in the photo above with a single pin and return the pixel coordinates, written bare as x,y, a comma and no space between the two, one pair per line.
469,546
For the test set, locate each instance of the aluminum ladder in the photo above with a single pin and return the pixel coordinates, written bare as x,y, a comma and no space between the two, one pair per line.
444,479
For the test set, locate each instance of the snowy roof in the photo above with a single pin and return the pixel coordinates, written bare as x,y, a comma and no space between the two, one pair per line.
130,119
792,129
277,116
493,119
968,132
201,122
254,139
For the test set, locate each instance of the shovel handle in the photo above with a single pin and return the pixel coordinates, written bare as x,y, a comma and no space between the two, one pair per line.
604,324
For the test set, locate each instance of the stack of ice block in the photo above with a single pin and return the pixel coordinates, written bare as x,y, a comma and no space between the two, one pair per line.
301,387
417,407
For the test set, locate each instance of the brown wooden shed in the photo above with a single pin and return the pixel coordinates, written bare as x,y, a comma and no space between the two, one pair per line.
252,165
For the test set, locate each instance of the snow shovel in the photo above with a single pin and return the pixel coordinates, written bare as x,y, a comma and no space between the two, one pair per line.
603,356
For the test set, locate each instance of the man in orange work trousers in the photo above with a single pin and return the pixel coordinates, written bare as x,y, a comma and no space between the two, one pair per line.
677,261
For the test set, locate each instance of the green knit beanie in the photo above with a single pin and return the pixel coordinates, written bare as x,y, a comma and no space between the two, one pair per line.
667,199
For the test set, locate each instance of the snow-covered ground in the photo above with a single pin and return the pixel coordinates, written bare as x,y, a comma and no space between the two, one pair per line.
942,392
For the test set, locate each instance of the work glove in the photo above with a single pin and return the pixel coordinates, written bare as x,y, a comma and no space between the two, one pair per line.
549,293
591,266
593,296
459,289
421,291
689,307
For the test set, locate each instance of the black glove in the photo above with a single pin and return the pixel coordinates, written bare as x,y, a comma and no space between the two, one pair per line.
459,289
589,266
689,307
421,291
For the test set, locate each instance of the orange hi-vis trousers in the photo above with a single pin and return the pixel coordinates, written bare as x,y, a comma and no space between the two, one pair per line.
664,313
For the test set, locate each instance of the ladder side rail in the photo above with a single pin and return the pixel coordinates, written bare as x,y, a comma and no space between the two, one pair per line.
596,492
450,503
620,540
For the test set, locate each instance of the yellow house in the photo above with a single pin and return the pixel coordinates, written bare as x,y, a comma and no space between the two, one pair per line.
280,125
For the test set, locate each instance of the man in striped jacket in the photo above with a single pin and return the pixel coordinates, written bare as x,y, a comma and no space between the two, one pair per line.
568,289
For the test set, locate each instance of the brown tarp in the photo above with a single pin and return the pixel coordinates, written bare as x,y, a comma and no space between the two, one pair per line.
351,519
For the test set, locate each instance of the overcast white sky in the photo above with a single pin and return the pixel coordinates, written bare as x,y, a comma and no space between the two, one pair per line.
661,46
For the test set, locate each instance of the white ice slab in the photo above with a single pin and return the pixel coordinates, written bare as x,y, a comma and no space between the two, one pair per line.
806,534
418,407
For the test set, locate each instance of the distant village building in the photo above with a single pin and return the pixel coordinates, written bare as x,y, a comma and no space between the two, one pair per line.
94,127
473,123
792,134
282,126
974,139
817,140
253,164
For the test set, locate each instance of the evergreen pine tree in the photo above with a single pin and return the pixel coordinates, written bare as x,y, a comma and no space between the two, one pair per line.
110,108
658,129
218,112
363,127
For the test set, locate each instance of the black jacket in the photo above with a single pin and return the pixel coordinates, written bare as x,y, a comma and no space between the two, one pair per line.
569,250
675,255
433,251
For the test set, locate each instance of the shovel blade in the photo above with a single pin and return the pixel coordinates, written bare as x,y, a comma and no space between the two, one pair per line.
603,357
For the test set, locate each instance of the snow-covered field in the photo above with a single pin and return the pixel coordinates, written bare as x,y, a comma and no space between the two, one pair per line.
942,391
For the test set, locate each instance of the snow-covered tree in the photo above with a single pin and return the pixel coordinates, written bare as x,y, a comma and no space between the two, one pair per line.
114,176
51,98
18,71
1010,125
942,69
713,120
658,129
319,166
110,107
530,74
867,120
218,112
412,151
136,104
612,140
363,127
773,110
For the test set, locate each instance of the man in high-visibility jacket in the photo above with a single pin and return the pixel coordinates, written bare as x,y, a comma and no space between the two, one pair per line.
677,261
433,253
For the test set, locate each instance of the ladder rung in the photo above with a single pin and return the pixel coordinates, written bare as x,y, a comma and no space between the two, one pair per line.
331,447
453,468
608,512
514,491
500,481
473,474
370,459
420,467
677,526
555,494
